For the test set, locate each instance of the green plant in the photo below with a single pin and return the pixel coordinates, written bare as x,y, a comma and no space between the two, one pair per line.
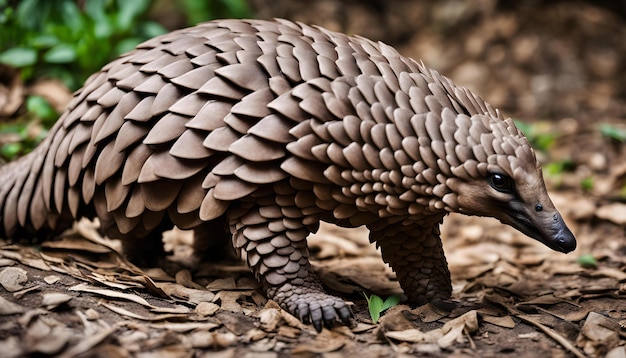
59,39
587,184
198,11
540,135
376,305
587,261
610,131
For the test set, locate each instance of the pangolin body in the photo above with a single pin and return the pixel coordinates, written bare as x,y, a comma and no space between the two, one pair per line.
251,132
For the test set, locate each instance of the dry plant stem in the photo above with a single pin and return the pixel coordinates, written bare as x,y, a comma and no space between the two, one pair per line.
552,334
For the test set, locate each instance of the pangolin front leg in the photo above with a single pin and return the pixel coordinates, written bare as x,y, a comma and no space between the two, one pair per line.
273,240
415,253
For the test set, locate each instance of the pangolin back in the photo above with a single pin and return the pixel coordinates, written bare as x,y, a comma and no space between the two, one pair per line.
266,128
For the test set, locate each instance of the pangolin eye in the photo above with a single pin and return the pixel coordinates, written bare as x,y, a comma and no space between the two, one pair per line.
501,183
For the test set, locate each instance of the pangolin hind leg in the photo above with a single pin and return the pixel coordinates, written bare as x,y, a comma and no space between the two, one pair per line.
273,239
415,253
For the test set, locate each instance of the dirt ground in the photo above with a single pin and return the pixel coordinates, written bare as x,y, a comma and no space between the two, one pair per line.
77,296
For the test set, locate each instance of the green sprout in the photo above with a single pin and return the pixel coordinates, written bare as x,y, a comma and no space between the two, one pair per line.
609,131
376,305
587,261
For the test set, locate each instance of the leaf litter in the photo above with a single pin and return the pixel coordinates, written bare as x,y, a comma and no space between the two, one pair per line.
90,300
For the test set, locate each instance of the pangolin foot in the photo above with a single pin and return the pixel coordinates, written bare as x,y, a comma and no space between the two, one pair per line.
313,306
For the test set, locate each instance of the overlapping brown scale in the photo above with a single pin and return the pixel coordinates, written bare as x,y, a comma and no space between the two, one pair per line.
305,170
189,146
26,192
346,63
158,196
134,163
166,129
135,205
115,193
130,133
161,165
210,116
152,85
255,104
194,78
191,195
165,98
10,220
75,166
274,128
36,208
221,88
248,76
256,149
231,188
108,163
48,172
260,173
59,188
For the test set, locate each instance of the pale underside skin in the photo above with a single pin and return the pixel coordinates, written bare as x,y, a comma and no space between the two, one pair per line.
254,131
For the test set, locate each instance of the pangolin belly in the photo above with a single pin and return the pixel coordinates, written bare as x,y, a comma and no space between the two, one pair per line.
251,132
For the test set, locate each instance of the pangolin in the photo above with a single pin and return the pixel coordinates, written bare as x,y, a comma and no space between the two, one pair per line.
251,132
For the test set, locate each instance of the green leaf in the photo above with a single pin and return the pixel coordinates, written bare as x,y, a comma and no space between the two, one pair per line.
151,29
11,150
390,302
44,41
587,261
61,53
375,305
129,10
19,57
127,45
613,132
587,184
40,107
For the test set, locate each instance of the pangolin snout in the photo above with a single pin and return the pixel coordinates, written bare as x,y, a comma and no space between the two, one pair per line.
563,240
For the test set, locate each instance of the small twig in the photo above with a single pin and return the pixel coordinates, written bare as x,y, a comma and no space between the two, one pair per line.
552,334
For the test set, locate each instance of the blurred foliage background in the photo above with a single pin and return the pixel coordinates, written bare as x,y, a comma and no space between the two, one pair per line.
67,40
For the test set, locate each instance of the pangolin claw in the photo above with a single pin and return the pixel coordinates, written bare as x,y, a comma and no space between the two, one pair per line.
324,312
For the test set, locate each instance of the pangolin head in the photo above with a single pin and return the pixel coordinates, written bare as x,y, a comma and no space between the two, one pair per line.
501,178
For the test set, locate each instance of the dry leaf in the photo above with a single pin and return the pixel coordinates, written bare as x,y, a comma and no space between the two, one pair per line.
54,299
185,326
226,283
505,321
13,278
183,277
454,329
415,335
189,295
599,335
76,244
51,279
207,308
325,342
46,338
111,294
11,347
615,212
270,319
8,308
127,313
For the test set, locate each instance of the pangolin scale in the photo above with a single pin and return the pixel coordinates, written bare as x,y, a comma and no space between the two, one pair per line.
252,132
